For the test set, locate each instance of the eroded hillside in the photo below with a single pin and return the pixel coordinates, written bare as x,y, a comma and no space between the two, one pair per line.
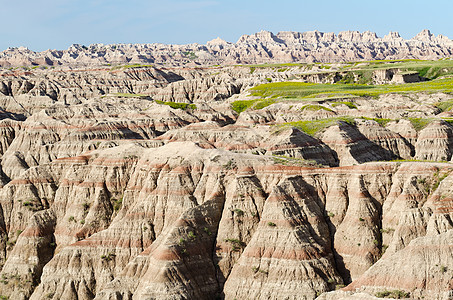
138,182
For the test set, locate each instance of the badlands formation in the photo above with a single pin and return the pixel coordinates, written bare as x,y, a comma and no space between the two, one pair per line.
258,48
174,181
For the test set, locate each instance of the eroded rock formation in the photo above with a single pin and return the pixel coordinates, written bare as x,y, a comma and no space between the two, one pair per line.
114,187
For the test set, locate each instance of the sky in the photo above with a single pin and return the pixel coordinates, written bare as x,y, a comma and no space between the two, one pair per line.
57,24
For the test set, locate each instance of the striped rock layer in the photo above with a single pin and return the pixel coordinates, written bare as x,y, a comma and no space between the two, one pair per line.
180,221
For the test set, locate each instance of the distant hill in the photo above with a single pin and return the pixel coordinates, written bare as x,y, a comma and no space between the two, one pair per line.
258,48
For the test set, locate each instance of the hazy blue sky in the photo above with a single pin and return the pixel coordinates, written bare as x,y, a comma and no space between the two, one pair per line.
56,24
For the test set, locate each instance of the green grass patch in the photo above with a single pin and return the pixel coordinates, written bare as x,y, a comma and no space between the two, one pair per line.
315,126
445,105
419,123
381,121
177,105
349,104
314,107
242,105
263,103
430,69
396,294
302,90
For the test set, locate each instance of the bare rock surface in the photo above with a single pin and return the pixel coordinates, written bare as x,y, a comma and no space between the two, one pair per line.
146,182
261,47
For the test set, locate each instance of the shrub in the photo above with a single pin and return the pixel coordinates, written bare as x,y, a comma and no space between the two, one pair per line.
191,235
85,206
230,165
271,224
236,244
397,294
117,203
108,257
238,212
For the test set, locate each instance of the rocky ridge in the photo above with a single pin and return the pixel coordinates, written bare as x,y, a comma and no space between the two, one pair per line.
110,192
261,47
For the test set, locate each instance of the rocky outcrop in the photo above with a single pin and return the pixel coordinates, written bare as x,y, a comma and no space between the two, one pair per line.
435,142
151,217
261,47
120,196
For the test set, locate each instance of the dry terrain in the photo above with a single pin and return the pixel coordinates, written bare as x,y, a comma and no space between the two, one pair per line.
295,181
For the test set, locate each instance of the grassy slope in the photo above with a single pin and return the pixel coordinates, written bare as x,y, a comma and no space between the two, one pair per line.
302,90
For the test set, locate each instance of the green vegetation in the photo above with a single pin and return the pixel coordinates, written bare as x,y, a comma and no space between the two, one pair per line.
177,105
445,105
242,105
419,123
238,212
230,165
302,90
431,184
190,55
397,294
117,203
132,66
430,69
191,235
271,224
27,203
315,107
293,161
315,126
107,257
381,121
236,244
85,206
443,269
437,179
387,230
349,104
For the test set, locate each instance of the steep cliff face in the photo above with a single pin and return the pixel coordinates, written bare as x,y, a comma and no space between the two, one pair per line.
144,222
